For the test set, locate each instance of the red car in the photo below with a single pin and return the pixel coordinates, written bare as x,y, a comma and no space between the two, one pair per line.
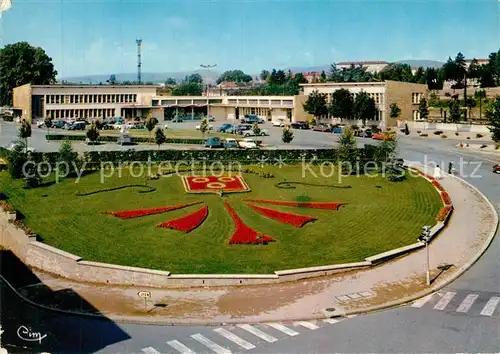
378,136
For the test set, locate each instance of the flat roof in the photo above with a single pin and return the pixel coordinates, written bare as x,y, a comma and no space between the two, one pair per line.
93,86
376,83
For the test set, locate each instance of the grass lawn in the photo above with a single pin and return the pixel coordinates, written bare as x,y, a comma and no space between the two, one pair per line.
379,216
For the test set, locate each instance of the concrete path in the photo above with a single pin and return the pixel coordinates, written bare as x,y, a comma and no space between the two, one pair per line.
470,229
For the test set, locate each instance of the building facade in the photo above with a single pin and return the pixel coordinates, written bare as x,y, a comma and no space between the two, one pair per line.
406,95
83,101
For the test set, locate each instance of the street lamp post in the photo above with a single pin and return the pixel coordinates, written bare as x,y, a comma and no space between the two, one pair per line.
425,237
208,67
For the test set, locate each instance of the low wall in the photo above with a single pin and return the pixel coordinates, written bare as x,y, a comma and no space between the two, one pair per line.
465,128
52,260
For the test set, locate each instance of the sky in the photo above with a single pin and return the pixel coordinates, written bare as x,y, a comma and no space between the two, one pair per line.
85,37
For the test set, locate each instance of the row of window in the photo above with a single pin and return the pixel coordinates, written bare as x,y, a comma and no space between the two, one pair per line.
234,101
184,102
377,97
416,97
79,99
80,113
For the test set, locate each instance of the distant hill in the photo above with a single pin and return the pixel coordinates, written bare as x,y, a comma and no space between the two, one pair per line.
422,63
157,78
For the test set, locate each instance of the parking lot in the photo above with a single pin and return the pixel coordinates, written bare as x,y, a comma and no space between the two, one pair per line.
303,139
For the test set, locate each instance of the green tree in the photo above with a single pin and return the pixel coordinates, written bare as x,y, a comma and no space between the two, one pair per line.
16,160
323,77
25,132
20,64
364,107
256,129
170,82
159,137
93,133
68,156
194,79
188,89
204,126
493,115
397,72
454,106
150,124
489,74
434,100
99,124
395,110
234,76
422,108
299,78
419,76
385,153
264,75
341,104
347,150
480,95
469,103
434,78
316,104
48,124
287,134
455,70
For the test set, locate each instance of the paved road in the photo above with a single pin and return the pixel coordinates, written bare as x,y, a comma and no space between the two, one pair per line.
463,317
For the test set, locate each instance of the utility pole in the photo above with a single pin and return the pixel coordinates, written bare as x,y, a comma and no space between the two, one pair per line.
425,237
208,67
139,64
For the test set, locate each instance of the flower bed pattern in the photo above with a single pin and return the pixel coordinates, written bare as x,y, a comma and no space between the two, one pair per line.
244,234
443,213
446,198
129,214
285,218
313,205
187,223
214,184
438,185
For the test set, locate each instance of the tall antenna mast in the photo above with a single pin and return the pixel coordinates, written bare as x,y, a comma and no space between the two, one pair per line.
139,43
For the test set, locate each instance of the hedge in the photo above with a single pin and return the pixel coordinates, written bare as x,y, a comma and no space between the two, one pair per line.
114,139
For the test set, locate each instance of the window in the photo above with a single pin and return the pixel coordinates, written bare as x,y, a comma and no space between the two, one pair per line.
416,115
276,102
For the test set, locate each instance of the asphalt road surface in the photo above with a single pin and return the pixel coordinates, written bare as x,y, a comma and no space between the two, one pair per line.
432,327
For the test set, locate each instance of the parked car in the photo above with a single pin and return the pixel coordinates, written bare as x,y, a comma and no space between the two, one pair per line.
58,124
250,132
322,128
210,127
240,128
280,122
230,143
225,128
365,133
213,142
77,126
124,139
338,129
496,168
252,118
249,143
211,119
300,125
107,126
40,123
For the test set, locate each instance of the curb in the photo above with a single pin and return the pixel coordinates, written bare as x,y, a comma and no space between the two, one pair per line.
459,273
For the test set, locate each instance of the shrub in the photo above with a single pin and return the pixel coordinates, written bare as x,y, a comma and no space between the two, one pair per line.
497,146
424,135
479,136
419,131
443,213
446,198
444,136
438,132
438,186
483,146
468,137
457,133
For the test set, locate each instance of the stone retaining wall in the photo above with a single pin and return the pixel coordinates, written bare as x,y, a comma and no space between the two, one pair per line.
52,260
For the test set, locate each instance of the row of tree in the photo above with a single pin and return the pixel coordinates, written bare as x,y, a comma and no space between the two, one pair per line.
343,104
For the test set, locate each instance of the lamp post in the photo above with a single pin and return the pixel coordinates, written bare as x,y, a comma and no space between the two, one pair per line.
208,67
425,237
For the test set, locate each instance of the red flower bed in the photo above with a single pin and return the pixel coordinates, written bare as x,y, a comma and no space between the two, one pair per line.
446,198
318,205
378,136
443,213
438,185
244,234
187,223
429,177
285,218
213,184
129,214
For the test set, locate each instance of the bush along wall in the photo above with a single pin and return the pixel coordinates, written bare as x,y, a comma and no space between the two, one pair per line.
113,139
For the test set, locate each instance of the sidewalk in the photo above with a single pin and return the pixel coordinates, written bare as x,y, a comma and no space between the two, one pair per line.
470,231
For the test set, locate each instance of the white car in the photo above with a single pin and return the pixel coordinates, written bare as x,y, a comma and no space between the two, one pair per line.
210,127
13,145
278,123
40,123
248,143
263,132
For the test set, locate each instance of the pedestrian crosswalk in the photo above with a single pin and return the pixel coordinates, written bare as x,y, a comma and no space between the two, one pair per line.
237,338
472,304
